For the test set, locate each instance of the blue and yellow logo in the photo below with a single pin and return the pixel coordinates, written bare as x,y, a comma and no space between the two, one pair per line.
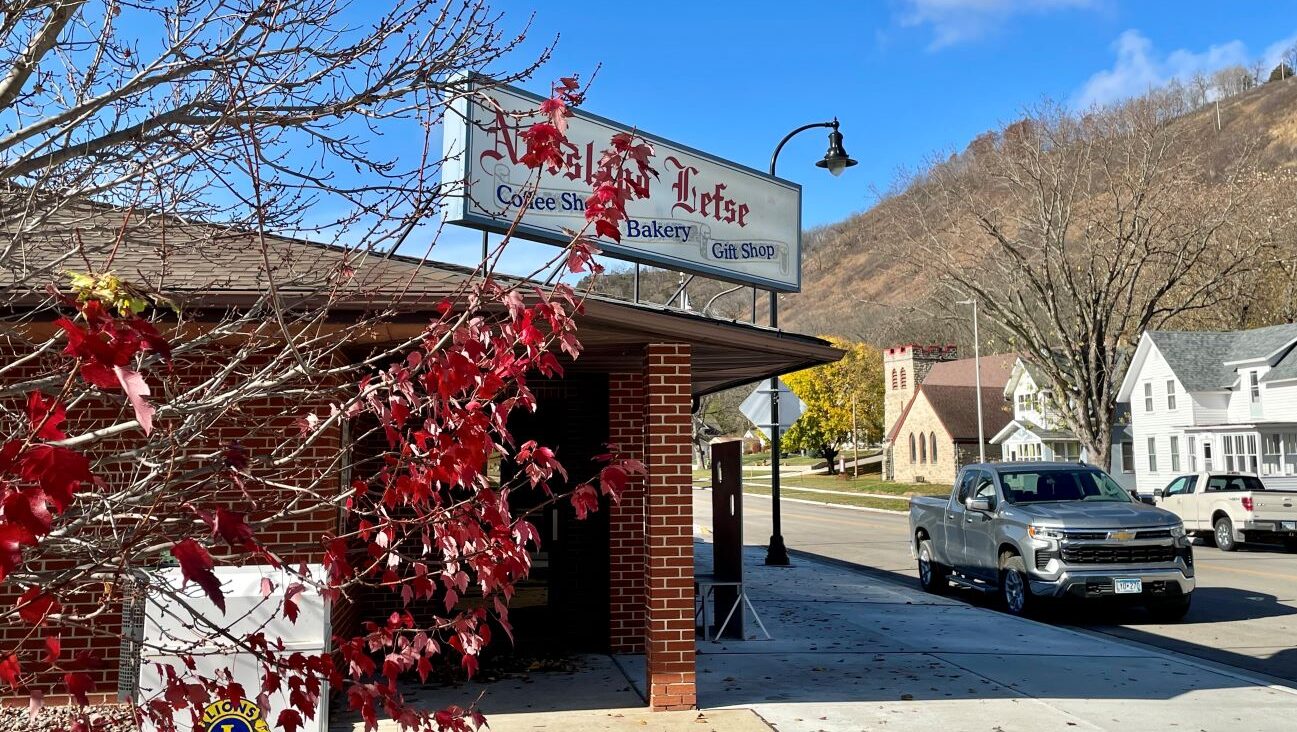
222,716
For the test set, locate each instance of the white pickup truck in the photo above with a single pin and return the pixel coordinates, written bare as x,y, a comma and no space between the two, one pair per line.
1232,508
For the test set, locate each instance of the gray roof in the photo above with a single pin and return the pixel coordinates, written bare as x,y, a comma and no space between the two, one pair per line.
1198,358
1285,369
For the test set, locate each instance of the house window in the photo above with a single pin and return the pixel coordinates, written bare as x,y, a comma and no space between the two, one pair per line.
893,378
1066,451
1290,453
1170,394
923,449
902,378
1254,387
932,440
1148,396
1175,452
1127,457
1272,455
1240,453
1152,453
1192,453
1207,461
913,453
1029,452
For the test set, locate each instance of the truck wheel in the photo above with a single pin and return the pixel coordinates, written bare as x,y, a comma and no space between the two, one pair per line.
1224,534
1015,592
1168,610
932,576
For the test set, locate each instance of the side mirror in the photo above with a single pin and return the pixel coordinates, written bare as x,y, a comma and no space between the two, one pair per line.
1158,492
978,504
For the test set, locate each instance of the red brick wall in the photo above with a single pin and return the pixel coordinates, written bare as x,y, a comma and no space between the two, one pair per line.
258,426
626,529
669,631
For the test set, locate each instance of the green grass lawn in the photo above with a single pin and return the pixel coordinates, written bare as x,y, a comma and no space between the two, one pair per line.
887,504
763,458
866,483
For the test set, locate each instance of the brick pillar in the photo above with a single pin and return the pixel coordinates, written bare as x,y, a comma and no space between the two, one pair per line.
669,631
626,530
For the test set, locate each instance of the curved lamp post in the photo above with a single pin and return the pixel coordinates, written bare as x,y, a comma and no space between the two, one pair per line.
835,161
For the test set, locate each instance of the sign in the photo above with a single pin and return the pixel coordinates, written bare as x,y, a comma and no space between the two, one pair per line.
757,406
222,716
703,214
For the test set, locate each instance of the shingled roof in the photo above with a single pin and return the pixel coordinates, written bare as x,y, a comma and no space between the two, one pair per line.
1202,360
956,407
208,267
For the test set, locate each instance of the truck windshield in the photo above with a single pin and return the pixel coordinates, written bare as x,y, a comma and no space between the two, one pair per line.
1038,486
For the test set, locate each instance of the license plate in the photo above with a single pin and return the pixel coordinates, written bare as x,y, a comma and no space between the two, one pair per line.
1127,586
1289,525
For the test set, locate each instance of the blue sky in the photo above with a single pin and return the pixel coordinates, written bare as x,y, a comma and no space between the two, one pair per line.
909,79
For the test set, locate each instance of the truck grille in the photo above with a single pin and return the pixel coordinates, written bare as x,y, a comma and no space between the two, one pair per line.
1118,554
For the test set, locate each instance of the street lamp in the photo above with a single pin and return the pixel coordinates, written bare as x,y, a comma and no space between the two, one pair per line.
977,379
835,161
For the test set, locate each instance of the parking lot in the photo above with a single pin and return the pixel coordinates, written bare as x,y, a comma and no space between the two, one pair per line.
1244,611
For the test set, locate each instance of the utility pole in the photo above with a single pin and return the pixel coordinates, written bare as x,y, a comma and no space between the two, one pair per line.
977,380
855,441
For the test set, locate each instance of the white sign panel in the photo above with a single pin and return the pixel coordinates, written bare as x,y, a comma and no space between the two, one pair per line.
757,406
703,214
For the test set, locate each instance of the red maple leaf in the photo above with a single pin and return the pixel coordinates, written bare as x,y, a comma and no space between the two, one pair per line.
289,720
58,470
44,415
10,670
196,566
33,606
12,539
79,685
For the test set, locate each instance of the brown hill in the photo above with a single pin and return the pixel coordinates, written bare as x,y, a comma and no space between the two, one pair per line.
858,284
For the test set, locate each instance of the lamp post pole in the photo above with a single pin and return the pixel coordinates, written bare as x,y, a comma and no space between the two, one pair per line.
835,161
977,380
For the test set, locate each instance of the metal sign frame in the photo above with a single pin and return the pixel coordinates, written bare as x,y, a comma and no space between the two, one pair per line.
459,122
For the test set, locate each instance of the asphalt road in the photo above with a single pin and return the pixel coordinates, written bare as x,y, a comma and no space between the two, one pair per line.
1244,611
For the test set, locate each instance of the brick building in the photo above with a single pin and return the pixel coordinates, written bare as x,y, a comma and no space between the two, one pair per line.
620,581
930,411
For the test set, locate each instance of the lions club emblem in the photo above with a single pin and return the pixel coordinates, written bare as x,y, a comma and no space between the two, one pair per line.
222,716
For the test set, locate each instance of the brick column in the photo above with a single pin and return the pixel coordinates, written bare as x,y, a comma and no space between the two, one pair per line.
669,631
626,529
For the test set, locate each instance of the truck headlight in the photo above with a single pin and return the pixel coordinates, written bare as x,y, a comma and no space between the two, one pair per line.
1177,531
1044,532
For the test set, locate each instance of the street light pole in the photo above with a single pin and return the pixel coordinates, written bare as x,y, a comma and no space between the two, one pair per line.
835,161
977,379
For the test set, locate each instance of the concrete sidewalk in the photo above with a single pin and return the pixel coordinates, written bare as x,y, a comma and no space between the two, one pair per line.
854,651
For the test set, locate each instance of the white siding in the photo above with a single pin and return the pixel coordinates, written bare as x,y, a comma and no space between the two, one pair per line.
1160,423
1210,408
1280,401
1240,398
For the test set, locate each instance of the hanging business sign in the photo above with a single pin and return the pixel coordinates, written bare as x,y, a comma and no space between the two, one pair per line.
703,214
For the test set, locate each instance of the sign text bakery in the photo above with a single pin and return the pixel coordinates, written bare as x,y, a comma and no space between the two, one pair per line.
704,214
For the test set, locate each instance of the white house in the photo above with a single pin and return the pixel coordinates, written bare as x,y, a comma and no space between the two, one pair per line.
1214,401
1036,432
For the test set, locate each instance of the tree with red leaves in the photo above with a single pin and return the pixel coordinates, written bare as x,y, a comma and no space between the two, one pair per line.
146,421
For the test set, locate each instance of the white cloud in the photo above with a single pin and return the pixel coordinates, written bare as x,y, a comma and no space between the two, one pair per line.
1140,67
957,21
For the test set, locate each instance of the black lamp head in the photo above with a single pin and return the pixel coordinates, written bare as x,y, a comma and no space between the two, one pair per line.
836,159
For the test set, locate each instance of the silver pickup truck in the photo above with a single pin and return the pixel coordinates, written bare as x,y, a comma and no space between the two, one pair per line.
1034,530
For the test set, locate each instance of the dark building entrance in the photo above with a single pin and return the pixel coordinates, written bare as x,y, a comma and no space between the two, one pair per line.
569,585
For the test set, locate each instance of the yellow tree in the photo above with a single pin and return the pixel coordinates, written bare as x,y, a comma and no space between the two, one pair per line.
830,393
